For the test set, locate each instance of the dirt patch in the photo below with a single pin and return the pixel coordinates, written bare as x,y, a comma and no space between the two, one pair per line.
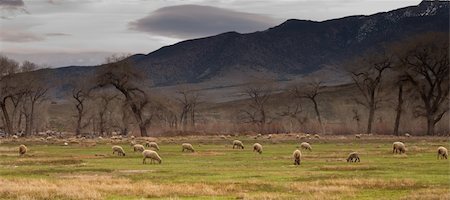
136,171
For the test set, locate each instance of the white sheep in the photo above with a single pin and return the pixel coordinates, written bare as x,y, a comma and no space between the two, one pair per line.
119,150
238,144
306,146
15,137
153,155
22,150
353,157
138,147
258,148
317,136
302,137
269,136
297,157
407,135
187,147
153,145
398,147
442,153
358,136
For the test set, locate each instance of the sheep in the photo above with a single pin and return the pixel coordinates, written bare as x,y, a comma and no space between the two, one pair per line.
187,146
306,146
138,147
297,157
398,147
407,135
238,144
308,135
119,150
317,136
353,157
132,137
297,136
132,143
258,148
302,137
223,137
358,136
442,153
15,137
153,155
269,136
22,150
153,145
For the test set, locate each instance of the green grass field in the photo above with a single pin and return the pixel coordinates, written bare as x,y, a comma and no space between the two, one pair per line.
216,171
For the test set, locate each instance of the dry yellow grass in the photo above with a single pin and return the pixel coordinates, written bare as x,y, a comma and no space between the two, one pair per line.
100,187
429,194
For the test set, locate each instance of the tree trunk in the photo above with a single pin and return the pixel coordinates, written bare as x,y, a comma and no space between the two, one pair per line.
8,125
316,108
430,125
370,119
399,109
143,129
31,119
78,128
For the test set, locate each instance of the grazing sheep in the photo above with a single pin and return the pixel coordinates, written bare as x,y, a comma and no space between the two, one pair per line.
153,145
358,136
258,148
15,137
259,135
22,150
132,137
297,157
138,147
119,150
353,157
66,144
306,146
317,136
407,135
442,153
297,136
308,135
303,137
223,137
132,143
187,146
269,136
238,144
398,147
153,155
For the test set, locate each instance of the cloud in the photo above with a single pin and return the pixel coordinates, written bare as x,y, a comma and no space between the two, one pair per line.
57,34
19,36
188,21
10,8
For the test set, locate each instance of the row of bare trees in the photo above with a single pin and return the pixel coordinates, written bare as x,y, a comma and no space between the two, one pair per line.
419,64
119,97
21,93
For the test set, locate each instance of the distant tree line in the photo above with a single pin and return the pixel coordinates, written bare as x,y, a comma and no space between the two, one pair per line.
118,97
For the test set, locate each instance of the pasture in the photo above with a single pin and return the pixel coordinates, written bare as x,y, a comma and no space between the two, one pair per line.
216,171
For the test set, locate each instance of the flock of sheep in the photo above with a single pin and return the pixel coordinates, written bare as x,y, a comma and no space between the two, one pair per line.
152,154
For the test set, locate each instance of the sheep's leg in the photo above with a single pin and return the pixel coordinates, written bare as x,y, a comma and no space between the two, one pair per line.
143,161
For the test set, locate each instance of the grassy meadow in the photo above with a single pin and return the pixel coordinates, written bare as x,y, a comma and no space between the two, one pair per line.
88,170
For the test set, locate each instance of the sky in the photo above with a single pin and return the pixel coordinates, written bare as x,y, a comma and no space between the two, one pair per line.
56,33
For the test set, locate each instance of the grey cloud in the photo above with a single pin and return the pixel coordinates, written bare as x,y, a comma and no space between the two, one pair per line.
57,34
19,36
11,3
10,8
187,21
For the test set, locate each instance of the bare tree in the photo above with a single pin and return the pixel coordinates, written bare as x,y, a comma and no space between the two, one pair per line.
368,79
293,112
80,94
425,62
36,90
105,99
7,68
120,73
259,96
311,92
189,99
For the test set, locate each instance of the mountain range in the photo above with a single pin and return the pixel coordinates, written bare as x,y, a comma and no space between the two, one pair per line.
295,47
